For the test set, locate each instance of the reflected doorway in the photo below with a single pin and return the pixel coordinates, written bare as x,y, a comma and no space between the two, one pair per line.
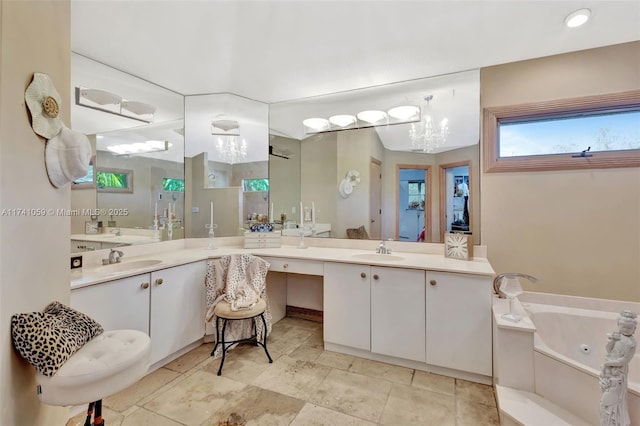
455,198
413,203
375,199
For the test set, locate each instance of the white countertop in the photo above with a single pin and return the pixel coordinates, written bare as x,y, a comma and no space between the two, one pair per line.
113,238
178,253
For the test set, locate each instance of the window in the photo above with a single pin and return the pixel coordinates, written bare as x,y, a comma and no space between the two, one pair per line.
251,185
553,135
415,192
114,180
174,185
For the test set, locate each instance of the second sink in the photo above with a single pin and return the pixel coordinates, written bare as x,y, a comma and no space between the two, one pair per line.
125,266
376,257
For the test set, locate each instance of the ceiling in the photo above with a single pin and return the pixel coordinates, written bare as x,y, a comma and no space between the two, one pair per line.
274,51
289,54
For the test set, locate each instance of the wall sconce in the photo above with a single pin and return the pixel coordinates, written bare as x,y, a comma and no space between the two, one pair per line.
108,102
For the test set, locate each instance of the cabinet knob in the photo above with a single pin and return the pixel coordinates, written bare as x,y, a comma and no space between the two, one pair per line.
375,276
363,275
159,281
144,285
285,266
433,282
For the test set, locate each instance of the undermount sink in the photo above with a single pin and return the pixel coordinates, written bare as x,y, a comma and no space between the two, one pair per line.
125,266
377,257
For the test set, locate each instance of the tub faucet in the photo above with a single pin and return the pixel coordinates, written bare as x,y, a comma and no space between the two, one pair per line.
498,279
115,256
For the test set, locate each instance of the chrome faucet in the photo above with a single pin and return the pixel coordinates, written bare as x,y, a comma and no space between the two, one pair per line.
382,248
115,256
116,231
498,279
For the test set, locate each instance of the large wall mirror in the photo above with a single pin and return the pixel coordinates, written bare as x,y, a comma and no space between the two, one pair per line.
135,191
386,174
227,168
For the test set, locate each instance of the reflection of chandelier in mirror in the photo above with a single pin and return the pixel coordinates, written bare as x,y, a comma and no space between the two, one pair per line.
231,149
427,135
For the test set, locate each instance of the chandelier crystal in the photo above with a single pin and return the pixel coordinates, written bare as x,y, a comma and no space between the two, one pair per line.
427,135
231,150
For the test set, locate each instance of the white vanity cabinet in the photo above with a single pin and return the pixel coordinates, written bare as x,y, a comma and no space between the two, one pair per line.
178,307
168,304
347,305
376,309
459,321
118,304
398,312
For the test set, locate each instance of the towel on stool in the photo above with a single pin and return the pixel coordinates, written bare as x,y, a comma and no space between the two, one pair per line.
240,280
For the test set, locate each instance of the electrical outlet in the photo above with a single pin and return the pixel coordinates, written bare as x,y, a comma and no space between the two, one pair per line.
76,262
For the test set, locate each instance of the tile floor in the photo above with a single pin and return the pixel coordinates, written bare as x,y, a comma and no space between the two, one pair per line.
304,386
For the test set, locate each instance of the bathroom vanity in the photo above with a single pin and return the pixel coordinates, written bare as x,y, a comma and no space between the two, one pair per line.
418,310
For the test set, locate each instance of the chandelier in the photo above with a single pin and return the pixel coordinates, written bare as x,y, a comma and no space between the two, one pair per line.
427,135
231,149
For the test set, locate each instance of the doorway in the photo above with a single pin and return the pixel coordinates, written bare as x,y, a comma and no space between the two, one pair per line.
413,203
375,199
455,198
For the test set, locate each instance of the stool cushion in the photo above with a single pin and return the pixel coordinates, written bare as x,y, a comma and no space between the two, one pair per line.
47,339
223,310
106,365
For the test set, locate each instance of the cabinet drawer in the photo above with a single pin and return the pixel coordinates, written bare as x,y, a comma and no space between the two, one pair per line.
307,267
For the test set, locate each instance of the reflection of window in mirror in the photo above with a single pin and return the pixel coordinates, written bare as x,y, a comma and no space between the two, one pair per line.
114,180
89,180
260,184
416,191
173,185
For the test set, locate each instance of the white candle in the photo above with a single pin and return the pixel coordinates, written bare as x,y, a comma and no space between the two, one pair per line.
271,214
313,213
155,216
211,215
301,215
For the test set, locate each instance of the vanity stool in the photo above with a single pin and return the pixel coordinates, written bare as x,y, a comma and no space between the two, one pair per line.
223,312
105,365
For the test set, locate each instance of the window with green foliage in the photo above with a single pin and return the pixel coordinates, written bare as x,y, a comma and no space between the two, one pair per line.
171,184
250,185
114,180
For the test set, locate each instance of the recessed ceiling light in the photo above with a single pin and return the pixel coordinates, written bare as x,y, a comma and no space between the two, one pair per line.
577,18
372,116
342,120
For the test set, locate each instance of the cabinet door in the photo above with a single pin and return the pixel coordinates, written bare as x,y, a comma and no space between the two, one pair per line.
459,321
178,304
398,313
347,305
117,305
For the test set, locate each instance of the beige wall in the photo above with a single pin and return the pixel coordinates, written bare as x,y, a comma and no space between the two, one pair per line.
284,176
318,171
577,231
34,251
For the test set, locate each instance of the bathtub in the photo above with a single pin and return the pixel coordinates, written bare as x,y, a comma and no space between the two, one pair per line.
569,349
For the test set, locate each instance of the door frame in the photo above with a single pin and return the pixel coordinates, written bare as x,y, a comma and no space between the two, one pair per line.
443,195
427,196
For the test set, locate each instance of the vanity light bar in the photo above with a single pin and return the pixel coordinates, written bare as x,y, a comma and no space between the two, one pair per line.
368,118
108,102
140,147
